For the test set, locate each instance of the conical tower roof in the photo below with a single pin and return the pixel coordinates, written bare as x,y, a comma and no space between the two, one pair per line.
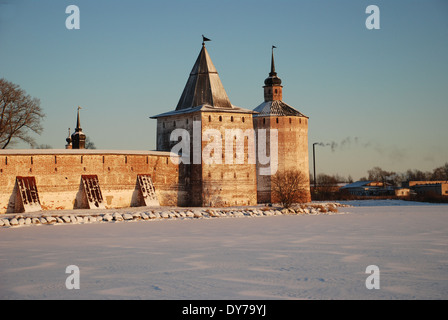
204,86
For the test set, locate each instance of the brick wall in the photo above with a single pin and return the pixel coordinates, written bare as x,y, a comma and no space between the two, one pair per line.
58,176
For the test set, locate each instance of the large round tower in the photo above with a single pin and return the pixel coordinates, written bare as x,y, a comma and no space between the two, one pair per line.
291,146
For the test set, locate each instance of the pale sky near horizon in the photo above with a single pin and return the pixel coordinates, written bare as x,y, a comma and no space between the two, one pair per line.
379,96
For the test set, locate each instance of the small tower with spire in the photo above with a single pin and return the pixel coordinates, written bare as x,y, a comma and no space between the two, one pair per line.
69,141
78,137
273,84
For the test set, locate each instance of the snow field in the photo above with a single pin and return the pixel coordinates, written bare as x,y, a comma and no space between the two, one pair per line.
287,256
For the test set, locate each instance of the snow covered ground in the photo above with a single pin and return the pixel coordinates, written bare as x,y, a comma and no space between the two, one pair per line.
268,257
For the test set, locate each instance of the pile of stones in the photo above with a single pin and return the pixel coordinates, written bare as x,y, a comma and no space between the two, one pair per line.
178,213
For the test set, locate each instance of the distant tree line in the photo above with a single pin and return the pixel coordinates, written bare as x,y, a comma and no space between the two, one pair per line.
391,177
396,179
327,186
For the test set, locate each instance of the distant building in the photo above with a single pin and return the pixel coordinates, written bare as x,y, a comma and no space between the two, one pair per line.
367,188
410,184
402,192
438,187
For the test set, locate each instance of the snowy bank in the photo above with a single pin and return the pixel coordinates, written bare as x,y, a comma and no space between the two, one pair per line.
130,214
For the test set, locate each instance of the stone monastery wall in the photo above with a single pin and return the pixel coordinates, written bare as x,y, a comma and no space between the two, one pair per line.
58,173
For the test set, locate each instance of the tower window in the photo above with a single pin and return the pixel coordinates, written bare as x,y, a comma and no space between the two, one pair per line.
242,119
300,121
264,120
290,120
187,121
209,118
276,91
174,123
231,118
276,120
220,118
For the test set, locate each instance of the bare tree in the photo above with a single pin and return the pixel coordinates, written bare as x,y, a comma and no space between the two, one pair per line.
90,144
20,114
289,187
440,173
44,146
378,174
417,175
326,183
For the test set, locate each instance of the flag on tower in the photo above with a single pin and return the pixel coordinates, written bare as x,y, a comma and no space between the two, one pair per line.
205,39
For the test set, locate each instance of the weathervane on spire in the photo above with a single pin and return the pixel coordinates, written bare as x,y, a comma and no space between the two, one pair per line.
205,39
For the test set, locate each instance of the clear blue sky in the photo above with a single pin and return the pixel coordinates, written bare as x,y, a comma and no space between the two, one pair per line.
381,95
